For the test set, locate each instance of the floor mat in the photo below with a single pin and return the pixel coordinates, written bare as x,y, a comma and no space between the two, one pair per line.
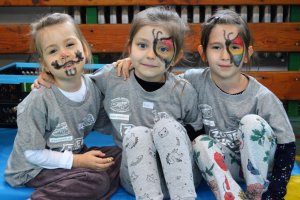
96,139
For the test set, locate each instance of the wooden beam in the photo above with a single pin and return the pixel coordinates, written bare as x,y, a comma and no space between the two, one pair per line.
285,85
111,38
142,2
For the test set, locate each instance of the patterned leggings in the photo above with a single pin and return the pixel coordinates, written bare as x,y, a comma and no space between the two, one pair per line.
221,167
157,163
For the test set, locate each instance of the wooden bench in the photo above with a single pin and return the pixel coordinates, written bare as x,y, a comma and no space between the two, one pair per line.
110,38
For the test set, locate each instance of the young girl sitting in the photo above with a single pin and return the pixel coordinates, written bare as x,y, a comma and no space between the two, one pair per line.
149,110
248,135
49,152
152,112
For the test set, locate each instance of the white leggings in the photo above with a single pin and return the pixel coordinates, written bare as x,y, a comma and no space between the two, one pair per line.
158,163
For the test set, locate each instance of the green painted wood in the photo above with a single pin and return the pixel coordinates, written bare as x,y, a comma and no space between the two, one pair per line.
92,18
294,64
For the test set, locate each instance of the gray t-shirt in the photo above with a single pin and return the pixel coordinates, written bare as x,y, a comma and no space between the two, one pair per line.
48,119
222,112
128,104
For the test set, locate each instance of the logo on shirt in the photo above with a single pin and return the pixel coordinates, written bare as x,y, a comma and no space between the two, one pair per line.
124,128
119,104
87,121
61,130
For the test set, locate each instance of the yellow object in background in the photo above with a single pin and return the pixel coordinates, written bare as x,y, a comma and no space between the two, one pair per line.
293,189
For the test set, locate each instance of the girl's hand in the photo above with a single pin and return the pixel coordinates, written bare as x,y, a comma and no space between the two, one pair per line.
43,79
94,159
123,67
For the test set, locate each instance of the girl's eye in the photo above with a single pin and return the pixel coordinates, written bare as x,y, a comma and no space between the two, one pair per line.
216,47
163,49
70,44
52,51
142,45
235,47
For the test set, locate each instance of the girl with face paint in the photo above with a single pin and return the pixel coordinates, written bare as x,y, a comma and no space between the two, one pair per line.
247,135
152,112
49,152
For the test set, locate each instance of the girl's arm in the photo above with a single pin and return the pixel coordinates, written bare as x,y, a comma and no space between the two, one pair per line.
283,164
49,159
66,160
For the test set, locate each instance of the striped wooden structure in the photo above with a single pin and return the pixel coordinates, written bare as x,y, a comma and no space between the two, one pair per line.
110,38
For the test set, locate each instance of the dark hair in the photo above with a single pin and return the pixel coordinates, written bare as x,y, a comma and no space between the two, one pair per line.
164,17
225,17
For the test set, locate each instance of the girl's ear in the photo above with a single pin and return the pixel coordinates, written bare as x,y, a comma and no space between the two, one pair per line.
44,67
201,52
129,49
249,54
87,53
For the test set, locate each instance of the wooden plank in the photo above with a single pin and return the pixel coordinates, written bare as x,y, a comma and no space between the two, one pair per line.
111,38
285,85
142,2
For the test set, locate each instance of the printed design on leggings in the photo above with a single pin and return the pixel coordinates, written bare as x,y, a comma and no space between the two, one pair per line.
228,195
220,161
226,187
259,136
137,160
214,187
131,141
163,132
254,191
174,157
252,169
152,152
228,138
151,178
145,196
133,176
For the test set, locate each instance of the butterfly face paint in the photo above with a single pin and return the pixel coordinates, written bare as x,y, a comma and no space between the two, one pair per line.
164,48
72,71
235,48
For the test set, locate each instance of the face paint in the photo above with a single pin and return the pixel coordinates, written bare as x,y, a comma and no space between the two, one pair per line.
164,48
235,48
73,71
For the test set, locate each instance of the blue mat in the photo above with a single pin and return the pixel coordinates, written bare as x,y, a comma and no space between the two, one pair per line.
94,139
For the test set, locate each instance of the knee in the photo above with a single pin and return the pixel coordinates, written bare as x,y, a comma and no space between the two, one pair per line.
166,127
255,121
137,136
251,119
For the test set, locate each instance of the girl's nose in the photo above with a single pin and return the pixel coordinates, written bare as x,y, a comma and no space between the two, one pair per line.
64,54
151,54
225,54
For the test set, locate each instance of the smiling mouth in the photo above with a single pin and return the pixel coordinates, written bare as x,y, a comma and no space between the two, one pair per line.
148,65
225,66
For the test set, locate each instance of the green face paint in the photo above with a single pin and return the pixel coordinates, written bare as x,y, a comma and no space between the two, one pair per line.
235,48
